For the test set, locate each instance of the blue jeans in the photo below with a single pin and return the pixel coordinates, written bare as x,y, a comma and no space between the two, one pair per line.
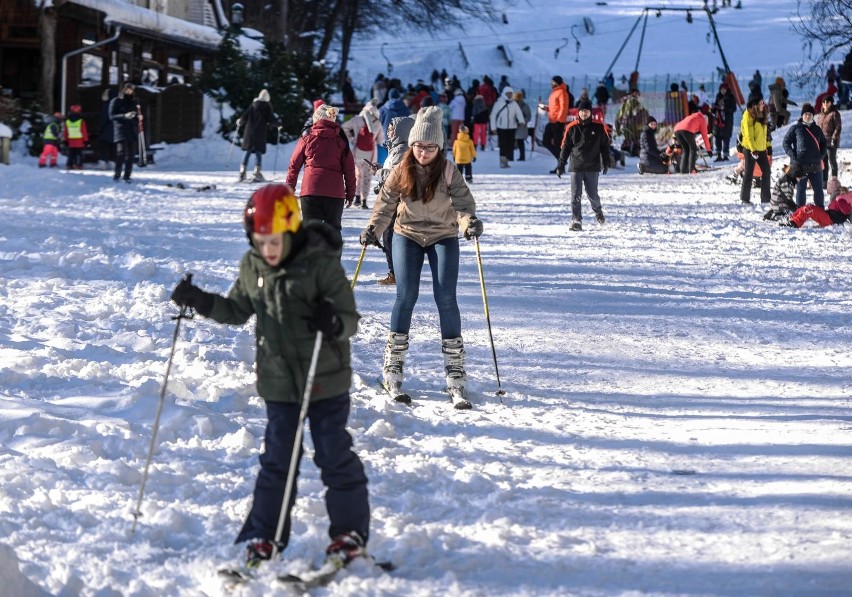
340,469
816,186
258,158
407,264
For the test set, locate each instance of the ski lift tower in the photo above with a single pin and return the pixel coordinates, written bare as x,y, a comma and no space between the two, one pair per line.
730,77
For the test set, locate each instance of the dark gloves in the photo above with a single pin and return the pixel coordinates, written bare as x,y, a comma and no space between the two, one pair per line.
348,202
605,169
474,228
325,320
368,236
187,294
560,169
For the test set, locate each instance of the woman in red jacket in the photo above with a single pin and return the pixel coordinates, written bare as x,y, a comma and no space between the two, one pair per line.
329,178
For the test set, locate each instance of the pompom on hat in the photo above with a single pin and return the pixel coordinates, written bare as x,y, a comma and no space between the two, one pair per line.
325,112
428,127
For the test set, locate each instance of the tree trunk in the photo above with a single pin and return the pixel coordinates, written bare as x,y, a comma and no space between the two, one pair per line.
349,20
47,20
330,28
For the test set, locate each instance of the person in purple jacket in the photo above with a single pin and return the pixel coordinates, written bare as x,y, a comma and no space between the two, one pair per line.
329,178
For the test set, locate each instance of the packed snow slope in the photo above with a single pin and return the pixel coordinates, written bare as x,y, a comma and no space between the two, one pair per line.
677,418
662,49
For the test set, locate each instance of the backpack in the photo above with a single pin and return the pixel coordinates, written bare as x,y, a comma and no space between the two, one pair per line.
365,141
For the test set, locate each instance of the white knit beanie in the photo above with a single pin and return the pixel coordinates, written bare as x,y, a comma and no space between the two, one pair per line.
263,95
325,111
428,127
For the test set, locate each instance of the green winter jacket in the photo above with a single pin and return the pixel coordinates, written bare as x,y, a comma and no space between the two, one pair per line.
283,298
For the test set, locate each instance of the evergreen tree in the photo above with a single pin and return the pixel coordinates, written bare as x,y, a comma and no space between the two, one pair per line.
291,77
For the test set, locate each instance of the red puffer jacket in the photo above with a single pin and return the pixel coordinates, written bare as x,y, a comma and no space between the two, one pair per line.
329,165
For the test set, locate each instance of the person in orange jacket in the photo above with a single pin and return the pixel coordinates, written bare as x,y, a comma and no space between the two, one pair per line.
685,132
557,116
76,136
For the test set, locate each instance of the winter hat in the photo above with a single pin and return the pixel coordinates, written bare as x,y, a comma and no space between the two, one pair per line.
370,111
754,101
829,99
428,127
519,95
318,103
508,91
326,112
464,129
807,109
584,104
833,186
393,93
263,95
557,79
651,119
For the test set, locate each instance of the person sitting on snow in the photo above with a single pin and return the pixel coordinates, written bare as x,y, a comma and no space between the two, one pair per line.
781,202
650,159
837,213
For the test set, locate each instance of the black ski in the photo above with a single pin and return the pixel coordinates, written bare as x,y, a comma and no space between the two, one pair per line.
323,575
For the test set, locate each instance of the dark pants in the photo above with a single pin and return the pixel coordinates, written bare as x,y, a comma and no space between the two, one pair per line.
325,209
830,160
690,151
466,170
125,154
552,138
589,181
341,471
75,157
506,143
522,149
723,146
748,176
387,242
815,176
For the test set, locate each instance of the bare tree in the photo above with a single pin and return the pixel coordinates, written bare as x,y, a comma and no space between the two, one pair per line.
824,26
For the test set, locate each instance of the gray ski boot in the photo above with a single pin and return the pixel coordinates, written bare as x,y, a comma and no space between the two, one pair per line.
395,350
453,349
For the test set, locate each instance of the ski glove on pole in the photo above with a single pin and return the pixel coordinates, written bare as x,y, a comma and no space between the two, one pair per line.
560,169
474,228
187,294
325,320
368,236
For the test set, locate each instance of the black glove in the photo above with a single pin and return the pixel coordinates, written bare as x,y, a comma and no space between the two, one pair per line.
348,202
605,170
474,159
560,169
187,294
368,236
325,320
474,228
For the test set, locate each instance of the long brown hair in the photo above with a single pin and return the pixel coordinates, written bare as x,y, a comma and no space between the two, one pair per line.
407,181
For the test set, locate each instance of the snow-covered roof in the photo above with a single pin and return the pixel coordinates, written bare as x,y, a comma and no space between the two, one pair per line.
135,17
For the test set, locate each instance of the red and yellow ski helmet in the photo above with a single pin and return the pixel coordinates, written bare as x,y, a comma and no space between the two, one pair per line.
272,209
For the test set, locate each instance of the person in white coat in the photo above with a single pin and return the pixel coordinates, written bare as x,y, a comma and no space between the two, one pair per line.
457,108
365,132
506,115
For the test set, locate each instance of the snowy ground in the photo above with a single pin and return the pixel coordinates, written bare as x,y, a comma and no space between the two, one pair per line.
677,421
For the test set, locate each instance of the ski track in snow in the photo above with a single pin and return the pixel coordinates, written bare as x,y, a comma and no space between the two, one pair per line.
677,418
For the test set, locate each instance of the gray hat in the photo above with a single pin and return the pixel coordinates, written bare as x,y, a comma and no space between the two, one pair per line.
428,127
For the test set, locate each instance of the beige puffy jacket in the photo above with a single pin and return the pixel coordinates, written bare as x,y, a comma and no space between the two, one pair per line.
449,211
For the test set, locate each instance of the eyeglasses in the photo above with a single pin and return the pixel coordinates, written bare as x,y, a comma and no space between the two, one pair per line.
425,148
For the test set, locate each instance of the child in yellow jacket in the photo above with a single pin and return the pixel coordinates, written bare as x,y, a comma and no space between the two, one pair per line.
464,153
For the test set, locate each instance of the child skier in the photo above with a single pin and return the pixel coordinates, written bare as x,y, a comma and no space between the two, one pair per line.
51,137
781,202
75,135
292,280
837,213
464,153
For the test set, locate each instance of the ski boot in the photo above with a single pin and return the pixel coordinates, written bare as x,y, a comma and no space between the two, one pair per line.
395,351
453,349
345,548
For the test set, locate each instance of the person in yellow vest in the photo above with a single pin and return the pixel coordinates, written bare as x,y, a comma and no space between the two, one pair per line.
51,137
76,136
